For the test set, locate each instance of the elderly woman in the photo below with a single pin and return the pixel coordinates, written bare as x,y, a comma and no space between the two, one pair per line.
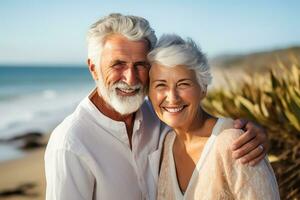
196,159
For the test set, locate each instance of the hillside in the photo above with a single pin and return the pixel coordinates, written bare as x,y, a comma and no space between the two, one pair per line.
259,61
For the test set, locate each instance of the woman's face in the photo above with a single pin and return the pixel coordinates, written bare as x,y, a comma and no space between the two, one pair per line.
175,95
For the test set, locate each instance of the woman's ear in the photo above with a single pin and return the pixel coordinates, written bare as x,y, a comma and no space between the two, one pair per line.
203,93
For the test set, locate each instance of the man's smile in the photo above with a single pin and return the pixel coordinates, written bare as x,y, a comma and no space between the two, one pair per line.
127,91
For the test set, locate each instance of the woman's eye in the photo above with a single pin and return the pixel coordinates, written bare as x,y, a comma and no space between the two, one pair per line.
159,86
183,85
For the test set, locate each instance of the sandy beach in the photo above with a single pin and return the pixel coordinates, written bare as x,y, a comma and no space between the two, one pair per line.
24,178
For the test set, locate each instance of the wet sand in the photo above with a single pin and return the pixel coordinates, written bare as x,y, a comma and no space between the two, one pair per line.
23,178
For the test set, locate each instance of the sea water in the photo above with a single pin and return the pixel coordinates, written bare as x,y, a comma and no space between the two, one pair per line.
38,98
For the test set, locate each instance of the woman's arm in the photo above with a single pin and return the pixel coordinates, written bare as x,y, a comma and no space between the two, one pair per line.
245,181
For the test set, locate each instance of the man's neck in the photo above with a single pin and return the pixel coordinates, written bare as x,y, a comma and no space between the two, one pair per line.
108,111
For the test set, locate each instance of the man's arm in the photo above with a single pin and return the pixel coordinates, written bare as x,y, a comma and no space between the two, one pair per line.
67,176
252,146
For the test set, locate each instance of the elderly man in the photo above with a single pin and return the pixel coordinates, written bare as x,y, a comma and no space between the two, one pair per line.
109,148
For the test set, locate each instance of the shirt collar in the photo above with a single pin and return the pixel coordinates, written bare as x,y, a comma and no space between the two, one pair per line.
113,127
138,121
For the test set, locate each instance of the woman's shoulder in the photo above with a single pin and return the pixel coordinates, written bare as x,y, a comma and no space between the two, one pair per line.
226,133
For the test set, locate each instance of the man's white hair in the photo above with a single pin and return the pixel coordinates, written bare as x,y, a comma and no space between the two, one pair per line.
171,50
132,27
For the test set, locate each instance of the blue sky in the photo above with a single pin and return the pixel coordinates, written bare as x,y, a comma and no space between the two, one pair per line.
53,32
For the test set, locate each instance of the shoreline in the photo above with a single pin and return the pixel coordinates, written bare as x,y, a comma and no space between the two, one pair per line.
24,178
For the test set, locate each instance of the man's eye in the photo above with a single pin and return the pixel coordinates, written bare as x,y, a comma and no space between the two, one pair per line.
142,66
118,65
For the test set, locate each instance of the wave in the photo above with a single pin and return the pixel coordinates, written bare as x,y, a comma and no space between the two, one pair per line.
40,111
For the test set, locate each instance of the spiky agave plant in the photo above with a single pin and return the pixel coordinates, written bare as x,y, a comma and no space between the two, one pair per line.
273,100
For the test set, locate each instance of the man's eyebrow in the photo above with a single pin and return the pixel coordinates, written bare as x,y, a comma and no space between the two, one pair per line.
118,61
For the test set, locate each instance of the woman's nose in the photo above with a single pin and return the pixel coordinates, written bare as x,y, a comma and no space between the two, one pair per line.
173,96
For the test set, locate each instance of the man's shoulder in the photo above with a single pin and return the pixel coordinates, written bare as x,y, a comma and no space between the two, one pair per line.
147,108
64,134
149,114
152,119
69,131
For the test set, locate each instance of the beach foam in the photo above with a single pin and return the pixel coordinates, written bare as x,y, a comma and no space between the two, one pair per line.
38,99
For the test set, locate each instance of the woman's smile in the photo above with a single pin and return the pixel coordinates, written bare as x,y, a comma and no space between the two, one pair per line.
174,109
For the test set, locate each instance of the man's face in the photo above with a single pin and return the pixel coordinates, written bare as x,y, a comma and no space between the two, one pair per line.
122,78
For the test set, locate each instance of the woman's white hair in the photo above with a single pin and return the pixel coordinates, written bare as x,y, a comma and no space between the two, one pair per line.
171,50
132,27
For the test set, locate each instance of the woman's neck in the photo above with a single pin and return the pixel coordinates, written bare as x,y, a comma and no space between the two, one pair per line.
188,146
199,129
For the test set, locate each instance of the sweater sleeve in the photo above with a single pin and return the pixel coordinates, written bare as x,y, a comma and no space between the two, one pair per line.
244,181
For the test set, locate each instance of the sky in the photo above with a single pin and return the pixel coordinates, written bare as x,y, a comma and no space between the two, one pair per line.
54,32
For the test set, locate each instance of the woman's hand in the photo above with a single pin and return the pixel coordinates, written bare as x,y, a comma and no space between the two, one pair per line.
252,146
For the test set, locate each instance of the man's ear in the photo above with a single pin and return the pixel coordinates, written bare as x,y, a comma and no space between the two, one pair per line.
92,69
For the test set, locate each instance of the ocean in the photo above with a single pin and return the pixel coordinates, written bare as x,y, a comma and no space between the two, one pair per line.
36,99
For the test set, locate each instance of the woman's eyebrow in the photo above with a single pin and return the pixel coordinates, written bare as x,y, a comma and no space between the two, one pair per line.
184,79
159,80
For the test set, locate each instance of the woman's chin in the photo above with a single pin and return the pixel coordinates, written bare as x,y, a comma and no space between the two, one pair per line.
173,123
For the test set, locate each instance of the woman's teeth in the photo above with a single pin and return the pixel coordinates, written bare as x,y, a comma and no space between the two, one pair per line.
174,110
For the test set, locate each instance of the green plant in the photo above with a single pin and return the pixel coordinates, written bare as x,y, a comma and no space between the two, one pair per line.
273,100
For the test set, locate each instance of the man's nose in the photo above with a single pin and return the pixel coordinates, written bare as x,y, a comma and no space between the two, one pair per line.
130,76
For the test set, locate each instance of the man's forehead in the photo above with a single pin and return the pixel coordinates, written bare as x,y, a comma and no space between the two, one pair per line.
121,43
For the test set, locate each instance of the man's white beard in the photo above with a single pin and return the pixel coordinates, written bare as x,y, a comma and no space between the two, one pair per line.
122,104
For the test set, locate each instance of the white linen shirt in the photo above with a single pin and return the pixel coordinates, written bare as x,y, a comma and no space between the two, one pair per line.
88,156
